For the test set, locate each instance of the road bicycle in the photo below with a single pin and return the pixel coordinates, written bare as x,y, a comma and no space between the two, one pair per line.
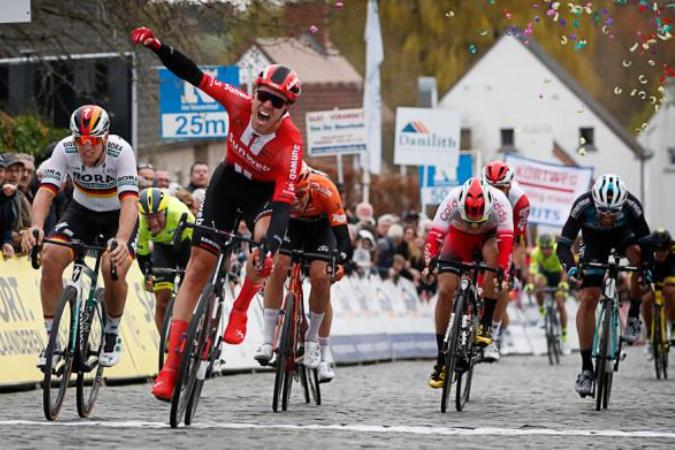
76,339
659,336
461,352
166,321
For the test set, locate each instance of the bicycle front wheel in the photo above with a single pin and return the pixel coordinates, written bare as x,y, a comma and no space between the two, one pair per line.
464,378
285,357
450,344
59,354
191,359
602,380
91,344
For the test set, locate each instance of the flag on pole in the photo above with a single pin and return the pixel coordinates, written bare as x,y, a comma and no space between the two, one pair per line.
372,102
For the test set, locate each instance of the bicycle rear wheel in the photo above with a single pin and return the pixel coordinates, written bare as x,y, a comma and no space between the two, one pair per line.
191,360
164,334
60,355
285,356
91,344
450,344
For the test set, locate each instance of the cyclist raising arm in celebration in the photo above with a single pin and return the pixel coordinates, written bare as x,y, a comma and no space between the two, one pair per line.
103,169
473,218
262,161
609,217
318,225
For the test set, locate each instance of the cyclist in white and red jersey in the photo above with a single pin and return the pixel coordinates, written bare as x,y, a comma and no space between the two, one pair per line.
103,169
499,175
473,217
262,162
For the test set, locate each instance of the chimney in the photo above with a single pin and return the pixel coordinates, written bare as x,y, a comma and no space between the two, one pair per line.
302,16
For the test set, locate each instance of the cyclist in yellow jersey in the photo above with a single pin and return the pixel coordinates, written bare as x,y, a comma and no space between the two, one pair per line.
664,280
158,219
547,271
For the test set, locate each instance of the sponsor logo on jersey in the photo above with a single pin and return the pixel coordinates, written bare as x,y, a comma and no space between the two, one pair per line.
127,180
579,207
295,159
93,178
257,165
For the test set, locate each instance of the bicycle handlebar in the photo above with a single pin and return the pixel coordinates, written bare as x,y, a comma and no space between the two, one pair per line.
332,258
183,224
442,264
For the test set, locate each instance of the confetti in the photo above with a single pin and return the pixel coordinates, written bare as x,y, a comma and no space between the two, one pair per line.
582,140
483,33
627,63
652,100
580,110
339,5
575,23
563,40
547,80
492,2
508,14
472,49
617,90
633,92
605,29
642,95
579,45
313,29
642,79
541,96
582,151
651,62
450,14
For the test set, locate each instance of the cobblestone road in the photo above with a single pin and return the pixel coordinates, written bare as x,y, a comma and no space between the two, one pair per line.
521,402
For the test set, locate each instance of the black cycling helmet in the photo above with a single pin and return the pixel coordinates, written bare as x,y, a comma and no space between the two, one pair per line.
661,239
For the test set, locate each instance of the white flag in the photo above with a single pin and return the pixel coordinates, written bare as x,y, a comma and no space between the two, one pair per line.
372,103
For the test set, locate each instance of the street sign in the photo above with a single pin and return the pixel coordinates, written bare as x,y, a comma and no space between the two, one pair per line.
426,136
187,112
437,183
337,132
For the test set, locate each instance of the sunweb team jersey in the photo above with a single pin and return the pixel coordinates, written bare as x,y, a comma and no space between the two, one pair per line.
274,157
500,222
174,211
98,188
540,263
521,210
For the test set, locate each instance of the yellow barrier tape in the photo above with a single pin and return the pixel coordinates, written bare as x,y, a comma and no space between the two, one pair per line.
22,334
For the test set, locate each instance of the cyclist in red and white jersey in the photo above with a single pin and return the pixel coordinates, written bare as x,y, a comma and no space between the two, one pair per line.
473,217
499,175
103,169
262,162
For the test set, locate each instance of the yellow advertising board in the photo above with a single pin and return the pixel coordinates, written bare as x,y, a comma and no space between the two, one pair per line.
22,334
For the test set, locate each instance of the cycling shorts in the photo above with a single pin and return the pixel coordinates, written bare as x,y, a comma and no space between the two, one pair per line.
166,256
598,250
229,192
85,224
552,278
313,237
462,247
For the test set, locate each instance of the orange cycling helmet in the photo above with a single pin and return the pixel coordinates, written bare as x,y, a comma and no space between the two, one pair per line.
282,79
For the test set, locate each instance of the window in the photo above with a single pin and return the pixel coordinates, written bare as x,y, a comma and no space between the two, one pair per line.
587,138
671,156
465,139
507,138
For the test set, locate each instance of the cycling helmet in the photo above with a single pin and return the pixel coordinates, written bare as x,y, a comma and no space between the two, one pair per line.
661,239
498,173
545,241
90,120
609,193
282,79
302,182
152,201
475,200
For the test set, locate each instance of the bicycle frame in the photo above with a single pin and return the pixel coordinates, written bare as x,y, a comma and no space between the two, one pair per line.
610,304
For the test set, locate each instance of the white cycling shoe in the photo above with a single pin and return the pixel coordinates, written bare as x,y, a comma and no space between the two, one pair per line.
110,353
263,354
312,357
42,359
491,352
326,371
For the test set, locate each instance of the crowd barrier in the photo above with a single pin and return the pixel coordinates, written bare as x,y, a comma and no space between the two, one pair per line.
373,320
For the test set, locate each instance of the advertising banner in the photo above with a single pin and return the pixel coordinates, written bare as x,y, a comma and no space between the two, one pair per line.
427,137
189,113
551,188
435,182
341,131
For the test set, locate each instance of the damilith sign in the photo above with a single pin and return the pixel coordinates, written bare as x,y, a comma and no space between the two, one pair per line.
427,137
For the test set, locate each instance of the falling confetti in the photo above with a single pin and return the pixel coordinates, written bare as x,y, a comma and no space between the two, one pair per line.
580,110
627,63
618,90
642,79
563,40
450,14
582,140
651,62
547,80
339,5
313,29
483,33
582,151
473,49
579,45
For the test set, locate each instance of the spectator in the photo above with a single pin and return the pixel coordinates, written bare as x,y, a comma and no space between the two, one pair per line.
389,246
6,213
3,163
364,213
415,249
423,227
185,196
162,178
19,217
199,176
365,252
197,200
27,175
383,224
146,175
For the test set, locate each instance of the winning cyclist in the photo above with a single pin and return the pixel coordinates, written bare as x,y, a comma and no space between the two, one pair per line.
546,271
103,169
473,217
158,219
318,225
499,175
262,162
609,217
664,279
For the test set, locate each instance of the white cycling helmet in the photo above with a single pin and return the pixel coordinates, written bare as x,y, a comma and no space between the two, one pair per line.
609,193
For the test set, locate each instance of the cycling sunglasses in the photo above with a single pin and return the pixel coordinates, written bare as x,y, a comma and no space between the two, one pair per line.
91,140
277,101
608,211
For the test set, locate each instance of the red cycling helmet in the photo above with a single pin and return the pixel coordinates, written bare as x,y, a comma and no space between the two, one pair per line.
475,200
282,79
498,173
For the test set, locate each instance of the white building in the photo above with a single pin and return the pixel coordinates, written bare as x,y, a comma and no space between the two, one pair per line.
659,138
518,98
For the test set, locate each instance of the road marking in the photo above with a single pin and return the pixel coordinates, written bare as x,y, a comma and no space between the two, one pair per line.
446,431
